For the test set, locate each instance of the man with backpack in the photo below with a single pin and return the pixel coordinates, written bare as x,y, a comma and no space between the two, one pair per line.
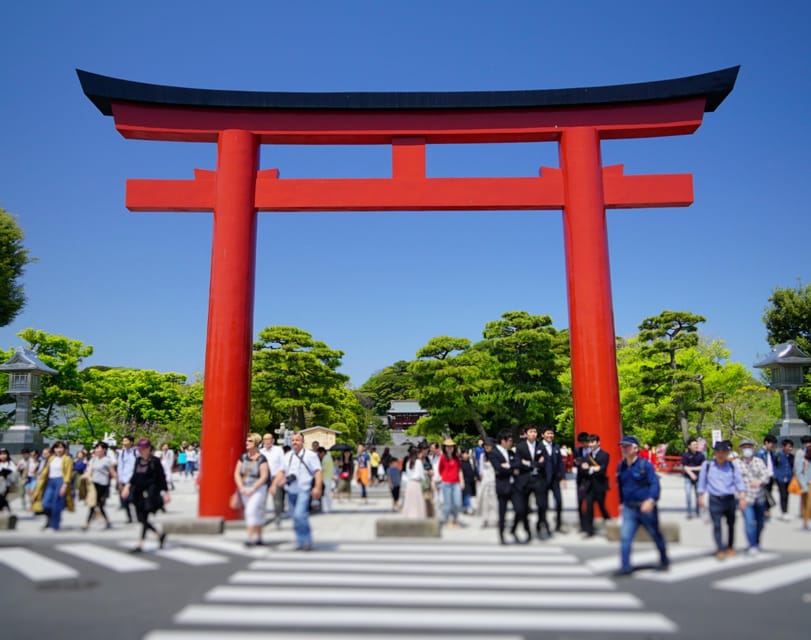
639,490
723,482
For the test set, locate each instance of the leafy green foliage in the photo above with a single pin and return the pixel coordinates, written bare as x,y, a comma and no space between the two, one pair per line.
788,317
392,383
13,259
295,381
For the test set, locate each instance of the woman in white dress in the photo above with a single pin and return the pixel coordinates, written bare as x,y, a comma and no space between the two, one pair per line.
412,479
488,502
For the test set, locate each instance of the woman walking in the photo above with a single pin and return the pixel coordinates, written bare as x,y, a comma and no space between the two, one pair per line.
100,470
488,501
450,472
148,491
8,478
345,467
412,478
802,469
251,478
52,494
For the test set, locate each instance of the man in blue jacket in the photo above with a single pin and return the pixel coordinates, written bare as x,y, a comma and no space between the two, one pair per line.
639,491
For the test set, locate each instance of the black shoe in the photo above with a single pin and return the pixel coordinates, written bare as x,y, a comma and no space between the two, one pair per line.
161,540
621,573
543,534
501,538
136,550
663,567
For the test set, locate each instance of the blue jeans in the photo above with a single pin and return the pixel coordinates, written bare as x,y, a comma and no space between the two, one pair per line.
53,503
691,495
451,501
300,508
632,518
753,522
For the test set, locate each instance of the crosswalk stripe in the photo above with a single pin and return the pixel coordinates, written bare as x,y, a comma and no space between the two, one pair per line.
767,579
194,557
35,566
374,556
478,620
460,548
703,567
373,597
409,581
434,568
612,562
298,635
225,546
108,558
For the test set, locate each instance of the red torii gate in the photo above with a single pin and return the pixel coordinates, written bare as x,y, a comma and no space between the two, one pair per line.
240,121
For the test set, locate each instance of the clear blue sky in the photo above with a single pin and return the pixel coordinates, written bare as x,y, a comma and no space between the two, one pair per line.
379,285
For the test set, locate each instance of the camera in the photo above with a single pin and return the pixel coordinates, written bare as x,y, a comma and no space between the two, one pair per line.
290,479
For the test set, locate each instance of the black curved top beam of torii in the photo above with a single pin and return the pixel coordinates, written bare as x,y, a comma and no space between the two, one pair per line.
714,86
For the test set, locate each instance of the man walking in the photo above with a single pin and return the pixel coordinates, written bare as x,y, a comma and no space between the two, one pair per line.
691,461
301,473
723,482
505,464
766,454
275,457
639,489
554,469
124,471
597,483
783,472
531,479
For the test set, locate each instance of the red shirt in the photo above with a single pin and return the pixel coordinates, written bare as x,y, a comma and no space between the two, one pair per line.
449,469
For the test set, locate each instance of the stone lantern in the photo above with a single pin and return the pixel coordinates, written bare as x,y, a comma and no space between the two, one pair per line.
785,365
24,369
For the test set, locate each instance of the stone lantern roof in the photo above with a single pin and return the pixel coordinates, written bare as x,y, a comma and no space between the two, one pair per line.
787,353
25,360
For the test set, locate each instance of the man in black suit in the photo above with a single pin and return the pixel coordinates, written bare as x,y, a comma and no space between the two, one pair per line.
554,476
531,479
597,483
504,463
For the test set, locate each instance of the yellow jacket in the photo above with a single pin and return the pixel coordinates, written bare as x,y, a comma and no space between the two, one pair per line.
42,480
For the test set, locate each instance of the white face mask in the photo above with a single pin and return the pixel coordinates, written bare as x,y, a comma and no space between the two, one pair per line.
747,453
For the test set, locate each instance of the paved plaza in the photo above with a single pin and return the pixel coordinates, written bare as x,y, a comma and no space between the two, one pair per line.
353,584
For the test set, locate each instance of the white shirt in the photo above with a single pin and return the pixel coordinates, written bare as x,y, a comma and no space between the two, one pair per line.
55,467
417,473
275,458
302,465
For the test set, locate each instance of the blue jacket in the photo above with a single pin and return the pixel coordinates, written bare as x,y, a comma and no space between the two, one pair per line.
783,467
637,482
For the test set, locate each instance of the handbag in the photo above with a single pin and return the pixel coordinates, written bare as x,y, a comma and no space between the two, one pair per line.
235,501
344,475
794,486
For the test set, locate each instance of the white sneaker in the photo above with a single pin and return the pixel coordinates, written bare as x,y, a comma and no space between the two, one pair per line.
753,551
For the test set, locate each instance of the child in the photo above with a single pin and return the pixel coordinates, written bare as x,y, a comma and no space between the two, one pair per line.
393,474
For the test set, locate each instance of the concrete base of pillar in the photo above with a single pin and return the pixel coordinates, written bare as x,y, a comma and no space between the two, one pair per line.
192,526
670,532
15,439
406,528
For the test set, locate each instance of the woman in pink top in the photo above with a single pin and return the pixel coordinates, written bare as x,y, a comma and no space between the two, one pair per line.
450,472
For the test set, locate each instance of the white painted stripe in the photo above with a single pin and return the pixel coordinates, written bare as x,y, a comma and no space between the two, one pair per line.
767,579
449,582
398,597
35,566
114,560
420,618
193,557
433,568
222,545
703,567
298,635
471,560
460,547
612,562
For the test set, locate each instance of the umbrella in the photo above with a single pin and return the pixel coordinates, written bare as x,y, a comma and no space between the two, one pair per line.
340,446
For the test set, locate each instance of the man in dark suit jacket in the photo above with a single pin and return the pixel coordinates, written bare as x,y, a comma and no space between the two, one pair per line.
597,483
504,463
531,479
554,476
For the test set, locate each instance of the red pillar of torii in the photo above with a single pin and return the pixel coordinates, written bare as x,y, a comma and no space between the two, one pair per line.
239,122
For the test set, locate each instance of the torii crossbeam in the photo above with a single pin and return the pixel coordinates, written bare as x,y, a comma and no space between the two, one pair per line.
240,121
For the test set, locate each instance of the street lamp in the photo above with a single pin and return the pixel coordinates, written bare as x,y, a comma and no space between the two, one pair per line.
24,369
785,365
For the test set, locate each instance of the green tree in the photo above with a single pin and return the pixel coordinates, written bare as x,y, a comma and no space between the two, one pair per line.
66,388
662,338
13,259
530,356
395,382
295,381
788,317
451,379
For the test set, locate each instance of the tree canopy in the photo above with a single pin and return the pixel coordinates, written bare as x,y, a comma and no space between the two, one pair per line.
13,259
788,317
